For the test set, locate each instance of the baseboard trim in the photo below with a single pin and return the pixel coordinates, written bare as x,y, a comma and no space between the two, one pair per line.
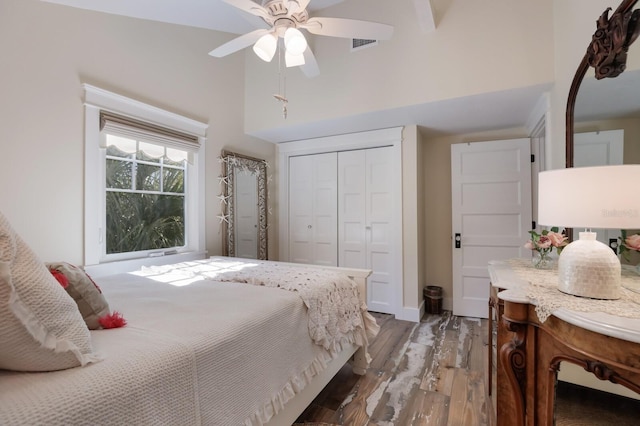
411,314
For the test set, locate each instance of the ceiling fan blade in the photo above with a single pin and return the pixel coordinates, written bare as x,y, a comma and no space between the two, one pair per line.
310,67
238,43
249,7
293,60
295,6
348,28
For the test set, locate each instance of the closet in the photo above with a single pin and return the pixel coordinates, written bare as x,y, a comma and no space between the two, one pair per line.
340,209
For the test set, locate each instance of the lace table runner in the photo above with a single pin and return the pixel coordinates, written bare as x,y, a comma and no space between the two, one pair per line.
543,292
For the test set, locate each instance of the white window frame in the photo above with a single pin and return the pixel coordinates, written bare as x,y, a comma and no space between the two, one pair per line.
97,100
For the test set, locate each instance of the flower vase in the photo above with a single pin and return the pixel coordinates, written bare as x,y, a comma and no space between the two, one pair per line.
542,260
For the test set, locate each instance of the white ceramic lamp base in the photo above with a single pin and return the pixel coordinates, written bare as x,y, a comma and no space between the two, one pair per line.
589,268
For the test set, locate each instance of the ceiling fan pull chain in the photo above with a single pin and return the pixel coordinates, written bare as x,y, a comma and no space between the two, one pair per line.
282,85
280,50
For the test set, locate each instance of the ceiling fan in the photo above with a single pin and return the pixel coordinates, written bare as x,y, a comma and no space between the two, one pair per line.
285,19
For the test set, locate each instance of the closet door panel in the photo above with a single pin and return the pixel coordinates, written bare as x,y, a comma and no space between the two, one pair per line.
300,209
313,209
365,220
380,199
352,209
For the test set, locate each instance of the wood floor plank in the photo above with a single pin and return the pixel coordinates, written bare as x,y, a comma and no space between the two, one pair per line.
364,399
467,406
425,409
387,348
477,360
404,383
440,378
338,389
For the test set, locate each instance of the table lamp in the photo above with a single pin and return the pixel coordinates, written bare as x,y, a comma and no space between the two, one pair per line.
590,197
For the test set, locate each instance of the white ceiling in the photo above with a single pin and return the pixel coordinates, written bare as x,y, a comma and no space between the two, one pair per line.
509,108
210,14
469,114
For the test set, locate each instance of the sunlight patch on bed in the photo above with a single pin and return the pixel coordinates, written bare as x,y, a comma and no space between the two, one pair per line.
186,273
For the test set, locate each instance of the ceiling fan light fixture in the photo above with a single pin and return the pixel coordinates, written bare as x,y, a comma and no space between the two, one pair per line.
266,47
293,60
294,41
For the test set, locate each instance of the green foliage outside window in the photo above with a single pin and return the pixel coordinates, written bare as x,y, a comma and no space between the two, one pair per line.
145,202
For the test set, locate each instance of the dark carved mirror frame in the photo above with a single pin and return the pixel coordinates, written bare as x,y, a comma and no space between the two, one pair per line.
607,54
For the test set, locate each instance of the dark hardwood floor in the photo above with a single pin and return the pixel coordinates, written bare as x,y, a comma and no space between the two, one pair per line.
430,373
434,374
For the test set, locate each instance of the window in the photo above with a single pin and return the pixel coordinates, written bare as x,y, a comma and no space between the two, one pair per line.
144,192
145,197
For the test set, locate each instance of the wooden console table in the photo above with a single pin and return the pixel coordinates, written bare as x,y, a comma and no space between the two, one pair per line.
530,351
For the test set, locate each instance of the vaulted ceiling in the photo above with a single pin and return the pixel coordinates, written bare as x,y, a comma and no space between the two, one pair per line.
210,14
509,108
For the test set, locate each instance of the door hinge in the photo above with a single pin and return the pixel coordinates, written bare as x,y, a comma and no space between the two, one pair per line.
533,224
533,158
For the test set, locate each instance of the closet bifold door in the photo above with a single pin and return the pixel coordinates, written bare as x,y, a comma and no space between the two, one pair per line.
313,210
365,220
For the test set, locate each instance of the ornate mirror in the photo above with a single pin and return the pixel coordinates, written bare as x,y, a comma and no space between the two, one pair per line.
603,108
607,54
599,101
245,199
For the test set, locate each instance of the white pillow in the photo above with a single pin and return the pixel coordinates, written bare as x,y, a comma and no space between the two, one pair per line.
41,328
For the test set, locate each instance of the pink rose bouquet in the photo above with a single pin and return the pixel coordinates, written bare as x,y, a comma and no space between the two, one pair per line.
545,242
628,243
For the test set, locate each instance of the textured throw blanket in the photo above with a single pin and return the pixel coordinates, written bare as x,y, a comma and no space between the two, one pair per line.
336,314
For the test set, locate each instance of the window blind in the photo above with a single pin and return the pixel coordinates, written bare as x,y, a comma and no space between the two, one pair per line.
139,130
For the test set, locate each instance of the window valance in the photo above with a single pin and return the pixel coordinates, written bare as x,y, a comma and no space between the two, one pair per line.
127,127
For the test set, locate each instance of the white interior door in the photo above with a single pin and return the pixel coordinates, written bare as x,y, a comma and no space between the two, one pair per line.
598,149
246,214
491,215
313,222
365,232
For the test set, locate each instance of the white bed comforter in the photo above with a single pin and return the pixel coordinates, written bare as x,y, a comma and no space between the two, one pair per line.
194,352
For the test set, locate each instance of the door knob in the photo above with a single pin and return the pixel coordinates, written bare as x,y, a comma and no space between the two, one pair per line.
458,240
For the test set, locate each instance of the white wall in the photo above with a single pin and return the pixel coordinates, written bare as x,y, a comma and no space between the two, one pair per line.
478,47
48,51
412,239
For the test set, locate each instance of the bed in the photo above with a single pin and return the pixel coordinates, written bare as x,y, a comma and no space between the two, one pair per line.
218,341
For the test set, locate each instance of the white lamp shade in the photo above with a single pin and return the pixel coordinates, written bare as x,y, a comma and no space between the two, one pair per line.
293,60
590,197
266,47
294,41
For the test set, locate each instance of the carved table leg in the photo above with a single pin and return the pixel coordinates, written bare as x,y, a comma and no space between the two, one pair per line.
513,363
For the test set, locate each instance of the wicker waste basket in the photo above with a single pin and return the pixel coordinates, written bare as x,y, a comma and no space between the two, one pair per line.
433,299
